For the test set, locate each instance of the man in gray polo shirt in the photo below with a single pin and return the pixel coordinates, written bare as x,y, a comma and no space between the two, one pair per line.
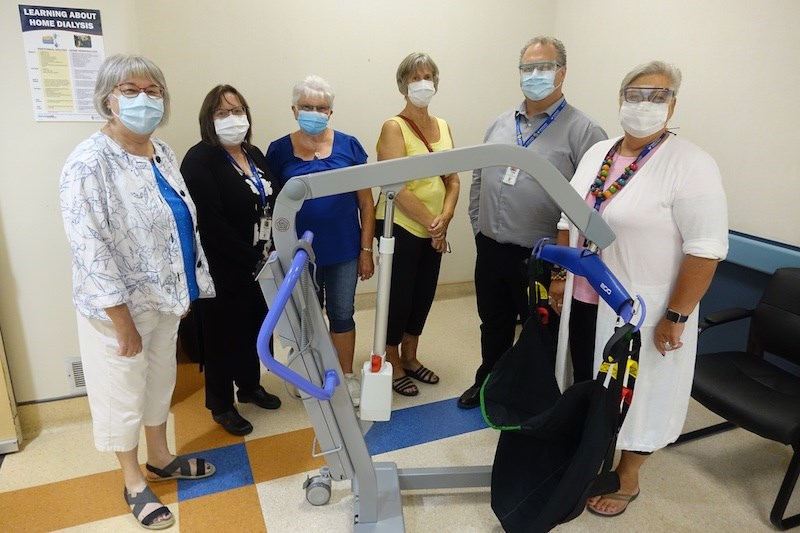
508,210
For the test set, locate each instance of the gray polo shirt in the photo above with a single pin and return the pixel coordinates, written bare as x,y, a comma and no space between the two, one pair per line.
523,213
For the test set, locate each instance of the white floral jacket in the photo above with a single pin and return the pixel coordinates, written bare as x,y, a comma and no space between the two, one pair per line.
122,234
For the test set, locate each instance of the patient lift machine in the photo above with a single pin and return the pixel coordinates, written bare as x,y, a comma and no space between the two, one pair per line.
295,317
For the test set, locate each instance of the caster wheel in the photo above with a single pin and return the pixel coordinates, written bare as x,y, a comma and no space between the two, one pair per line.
318,488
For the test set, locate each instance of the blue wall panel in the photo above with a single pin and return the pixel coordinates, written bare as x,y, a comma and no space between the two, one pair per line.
739,282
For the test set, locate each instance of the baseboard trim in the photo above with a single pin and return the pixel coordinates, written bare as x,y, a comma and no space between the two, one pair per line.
447,291
9,446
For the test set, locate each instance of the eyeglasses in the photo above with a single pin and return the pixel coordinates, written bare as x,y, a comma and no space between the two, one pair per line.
318,108
657,95
541,66
130,90
239,111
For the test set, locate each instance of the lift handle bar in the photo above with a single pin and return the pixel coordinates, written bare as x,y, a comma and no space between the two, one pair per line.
268,327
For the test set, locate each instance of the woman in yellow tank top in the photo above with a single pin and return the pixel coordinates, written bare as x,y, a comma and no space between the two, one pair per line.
423,210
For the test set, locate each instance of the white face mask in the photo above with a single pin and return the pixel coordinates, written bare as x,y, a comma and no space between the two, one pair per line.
420,92
643,119
231,130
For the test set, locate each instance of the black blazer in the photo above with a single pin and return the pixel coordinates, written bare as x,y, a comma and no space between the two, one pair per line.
228,212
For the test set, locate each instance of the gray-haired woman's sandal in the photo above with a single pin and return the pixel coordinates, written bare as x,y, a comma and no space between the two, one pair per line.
138,502
180,468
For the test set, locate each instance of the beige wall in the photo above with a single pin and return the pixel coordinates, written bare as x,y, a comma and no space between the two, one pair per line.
739,60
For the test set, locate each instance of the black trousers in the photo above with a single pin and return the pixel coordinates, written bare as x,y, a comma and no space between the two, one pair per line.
415,273
501,282
229,326
582,327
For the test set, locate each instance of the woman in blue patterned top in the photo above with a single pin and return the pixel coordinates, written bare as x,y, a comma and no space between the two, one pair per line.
343,224
137,264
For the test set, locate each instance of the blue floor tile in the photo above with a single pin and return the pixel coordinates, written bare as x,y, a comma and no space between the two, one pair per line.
233,471
421,424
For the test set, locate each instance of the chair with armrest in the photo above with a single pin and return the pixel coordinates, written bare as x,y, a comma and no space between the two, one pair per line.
751,392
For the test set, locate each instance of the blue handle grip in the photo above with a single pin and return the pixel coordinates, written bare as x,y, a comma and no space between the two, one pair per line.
590,266
268,327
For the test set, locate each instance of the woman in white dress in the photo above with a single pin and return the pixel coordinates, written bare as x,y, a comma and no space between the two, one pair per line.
663,197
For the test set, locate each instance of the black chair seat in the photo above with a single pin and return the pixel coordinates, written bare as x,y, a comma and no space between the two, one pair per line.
750,392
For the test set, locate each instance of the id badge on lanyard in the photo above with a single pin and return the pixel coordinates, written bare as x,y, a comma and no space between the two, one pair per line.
265,227
265,220
510,177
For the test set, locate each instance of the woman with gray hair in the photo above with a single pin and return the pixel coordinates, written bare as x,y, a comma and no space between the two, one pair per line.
424,210
343,224
123,202
663,197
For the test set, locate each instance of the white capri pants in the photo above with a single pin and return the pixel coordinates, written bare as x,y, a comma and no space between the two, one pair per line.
127,392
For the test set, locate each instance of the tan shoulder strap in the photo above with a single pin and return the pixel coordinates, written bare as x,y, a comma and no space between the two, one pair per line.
417,131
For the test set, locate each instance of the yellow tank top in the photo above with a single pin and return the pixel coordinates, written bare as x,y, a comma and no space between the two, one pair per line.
429,191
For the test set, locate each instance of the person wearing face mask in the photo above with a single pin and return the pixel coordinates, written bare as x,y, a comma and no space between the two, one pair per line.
343,224
423,211
230,182
663,197
137,263
509,211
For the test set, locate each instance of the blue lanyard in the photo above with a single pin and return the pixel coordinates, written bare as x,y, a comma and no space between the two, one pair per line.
541,128
255,179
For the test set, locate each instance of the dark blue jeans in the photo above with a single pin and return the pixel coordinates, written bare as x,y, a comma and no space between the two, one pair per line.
337,291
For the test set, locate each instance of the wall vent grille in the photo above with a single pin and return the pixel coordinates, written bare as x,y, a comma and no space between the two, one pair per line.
77,382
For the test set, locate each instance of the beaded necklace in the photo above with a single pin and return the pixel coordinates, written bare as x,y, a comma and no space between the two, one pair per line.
596,189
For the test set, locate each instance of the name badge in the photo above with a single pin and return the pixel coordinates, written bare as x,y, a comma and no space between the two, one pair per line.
510,177
265,229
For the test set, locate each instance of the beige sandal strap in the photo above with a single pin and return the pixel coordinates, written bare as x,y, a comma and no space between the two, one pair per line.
620,497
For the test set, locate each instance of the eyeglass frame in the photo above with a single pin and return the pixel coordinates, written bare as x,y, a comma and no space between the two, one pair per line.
221,113
649,94
528,68
140,90
324,109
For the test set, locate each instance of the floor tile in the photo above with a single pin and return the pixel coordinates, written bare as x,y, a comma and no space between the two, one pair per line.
282,455
233,510
431,421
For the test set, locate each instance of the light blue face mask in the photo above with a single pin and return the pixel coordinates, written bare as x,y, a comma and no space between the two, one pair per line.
141,114
538,85
312,122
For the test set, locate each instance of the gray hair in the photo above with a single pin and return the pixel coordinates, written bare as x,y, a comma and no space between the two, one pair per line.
120,67
313,86
412,63
561,51
654,67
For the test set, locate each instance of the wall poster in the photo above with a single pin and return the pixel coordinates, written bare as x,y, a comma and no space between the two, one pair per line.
63,52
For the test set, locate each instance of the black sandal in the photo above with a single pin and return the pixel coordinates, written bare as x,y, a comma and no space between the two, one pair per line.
404,386
180,468
425,375
140,500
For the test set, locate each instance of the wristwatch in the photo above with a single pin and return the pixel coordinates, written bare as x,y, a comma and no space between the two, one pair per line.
676,317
